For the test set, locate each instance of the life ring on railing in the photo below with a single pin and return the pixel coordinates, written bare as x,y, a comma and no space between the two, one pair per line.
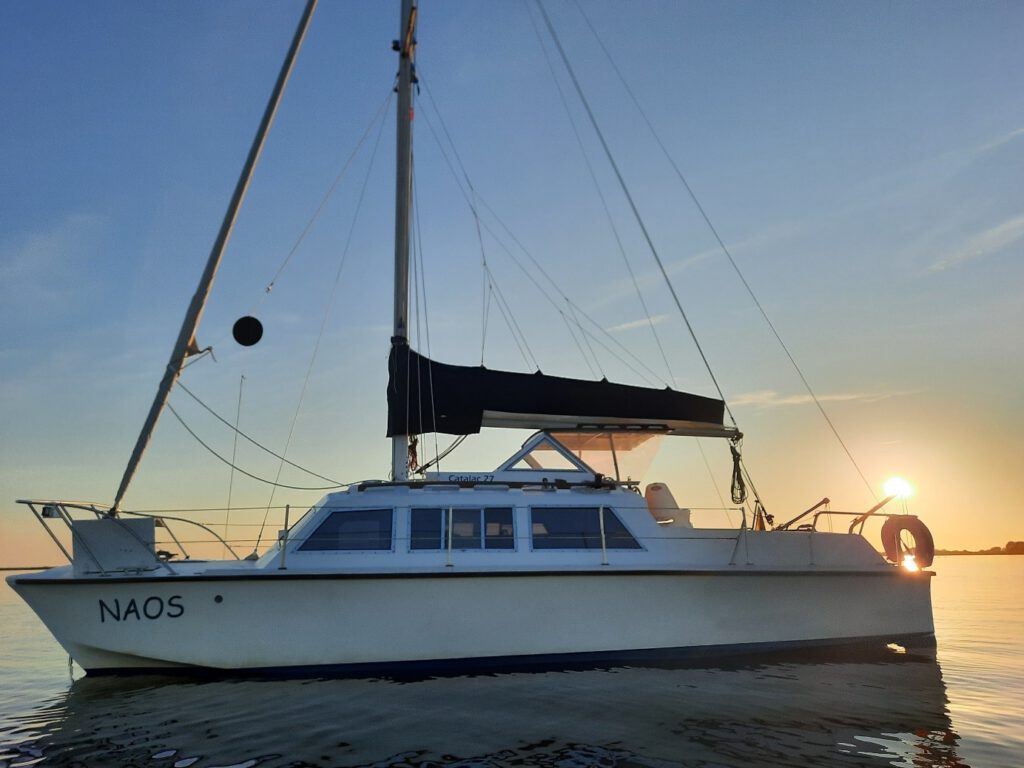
896,548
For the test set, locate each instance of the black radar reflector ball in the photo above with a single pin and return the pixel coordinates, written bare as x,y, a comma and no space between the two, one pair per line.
247,330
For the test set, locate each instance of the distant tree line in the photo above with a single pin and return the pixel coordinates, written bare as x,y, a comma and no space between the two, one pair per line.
1011,548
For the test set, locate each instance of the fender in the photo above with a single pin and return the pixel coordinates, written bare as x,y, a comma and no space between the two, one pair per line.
923,549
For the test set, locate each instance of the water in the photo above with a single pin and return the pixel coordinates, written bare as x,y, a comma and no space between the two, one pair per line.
963,705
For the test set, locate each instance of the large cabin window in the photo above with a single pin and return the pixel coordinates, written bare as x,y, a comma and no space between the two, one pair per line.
488,528
578,528
353,529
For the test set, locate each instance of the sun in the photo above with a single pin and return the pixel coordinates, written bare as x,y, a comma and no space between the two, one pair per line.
897,486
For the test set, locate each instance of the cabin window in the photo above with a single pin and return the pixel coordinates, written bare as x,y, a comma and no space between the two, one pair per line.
498,531
488,528
426,527
578,528
358,529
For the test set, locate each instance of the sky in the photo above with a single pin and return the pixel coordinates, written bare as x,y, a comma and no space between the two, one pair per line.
863,163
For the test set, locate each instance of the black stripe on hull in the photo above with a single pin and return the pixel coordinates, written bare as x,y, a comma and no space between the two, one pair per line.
860,649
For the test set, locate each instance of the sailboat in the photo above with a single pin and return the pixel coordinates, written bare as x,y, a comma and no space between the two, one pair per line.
553,557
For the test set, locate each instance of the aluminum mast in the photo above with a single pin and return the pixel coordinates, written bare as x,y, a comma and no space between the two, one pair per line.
406,48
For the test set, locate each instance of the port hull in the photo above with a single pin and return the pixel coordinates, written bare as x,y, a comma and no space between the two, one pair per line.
362,623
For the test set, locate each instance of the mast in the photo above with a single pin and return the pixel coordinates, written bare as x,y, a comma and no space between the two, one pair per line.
406,48
186,345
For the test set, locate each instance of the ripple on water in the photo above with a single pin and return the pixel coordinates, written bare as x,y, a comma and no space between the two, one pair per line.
788,713
835,710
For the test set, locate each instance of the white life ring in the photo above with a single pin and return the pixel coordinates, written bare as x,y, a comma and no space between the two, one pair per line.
896,549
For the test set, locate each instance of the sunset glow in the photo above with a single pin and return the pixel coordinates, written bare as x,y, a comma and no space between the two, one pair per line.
898,487
901,352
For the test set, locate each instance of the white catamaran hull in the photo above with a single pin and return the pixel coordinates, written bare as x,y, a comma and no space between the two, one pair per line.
295,622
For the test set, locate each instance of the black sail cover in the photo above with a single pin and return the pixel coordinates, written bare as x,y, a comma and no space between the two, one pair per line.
427,396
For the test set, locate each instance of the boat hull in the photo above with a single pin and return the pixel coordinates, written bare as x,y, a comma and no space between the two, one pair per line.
316,622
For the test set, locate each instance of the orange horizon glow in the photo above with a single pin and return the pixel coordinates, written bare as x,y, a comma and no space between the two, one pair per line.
898,487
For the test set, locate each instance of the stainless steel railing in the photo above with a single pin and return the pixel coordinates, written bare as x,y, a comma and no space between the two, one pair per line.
46,510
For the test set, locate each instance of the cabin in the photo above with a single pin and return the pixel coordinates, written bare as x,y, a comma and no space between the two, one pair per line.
543,509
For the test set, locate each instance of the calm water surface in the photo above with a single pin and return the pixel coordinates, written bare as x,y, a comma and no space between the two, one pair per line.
962,706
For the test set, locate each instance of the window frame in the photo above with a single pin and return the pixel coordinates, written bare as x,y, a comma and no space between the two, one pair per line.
304,547
598,545
449,513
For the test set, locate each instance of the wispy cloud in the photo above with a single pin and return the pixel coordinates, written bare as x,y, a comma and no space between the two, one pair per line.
1006,138
42,263
983,244
647,281
652,279
641,323
907,183
771,399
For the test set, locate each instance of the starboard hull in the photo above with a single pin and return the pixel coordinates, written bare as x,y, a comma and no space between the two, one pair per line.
306,623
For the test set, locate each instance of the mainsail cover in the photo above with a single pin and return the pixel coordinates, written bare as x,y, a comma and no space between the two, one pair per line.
427,396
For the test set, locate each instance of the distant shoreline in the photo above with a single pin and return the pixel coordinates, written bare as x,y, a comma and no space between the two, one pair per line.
943,553
29,568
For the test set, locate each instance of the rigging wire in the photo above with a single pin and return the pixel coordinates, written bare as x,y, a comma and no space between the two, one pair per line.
653,378
506,310
323,322
488,284
242,434
711,476
725,250
460,176
586,340
381,110
510,322
414,280
421,286
486,312
632,204
488,275
415,329
275,483
437,459
758,504
600,192
471,200
234,456
167,510
576,308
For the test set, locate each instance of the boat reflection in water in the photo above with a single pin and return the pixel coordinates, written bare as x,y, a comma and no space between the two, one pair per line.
885,708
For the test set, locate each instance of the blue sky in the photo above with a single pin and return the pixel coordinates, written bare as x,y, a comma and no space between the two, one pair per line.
863,162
